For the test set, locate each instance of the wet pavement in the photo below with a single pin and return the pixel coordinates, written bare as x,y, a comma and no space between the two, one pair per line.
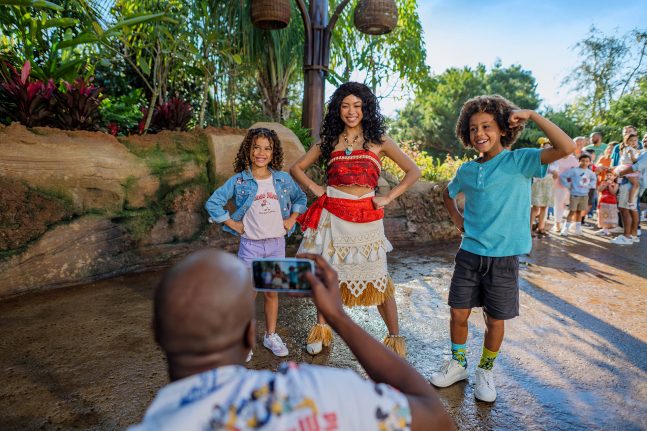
576,358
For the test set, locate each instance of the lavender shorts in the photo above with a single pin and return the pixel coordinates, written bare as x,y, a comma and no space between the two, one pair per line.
250,249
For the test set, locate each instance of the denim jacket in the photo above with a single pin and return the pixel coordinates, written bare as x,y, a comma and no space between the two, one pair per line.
243,187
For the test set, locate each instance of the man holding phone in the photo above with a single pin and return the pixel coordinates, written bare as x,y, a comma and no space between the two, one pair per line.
204,322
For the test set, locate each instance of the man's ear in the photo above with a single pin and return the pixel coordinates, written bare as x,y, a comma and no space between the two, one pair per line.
250,335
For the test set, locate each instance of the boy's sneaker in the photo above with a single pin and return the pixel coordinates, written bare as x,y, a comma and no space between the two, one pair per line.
484,388
635,238
602,232
617,229
622,240
564,231
249,356
451,372
578,229
275,344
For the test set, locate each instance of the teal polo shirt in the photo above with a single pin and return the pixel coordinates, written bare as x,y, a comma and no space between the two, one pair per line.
497,202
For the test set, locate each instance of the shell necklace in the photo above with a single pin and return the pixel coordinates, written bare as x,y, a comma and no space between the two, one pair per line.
349,145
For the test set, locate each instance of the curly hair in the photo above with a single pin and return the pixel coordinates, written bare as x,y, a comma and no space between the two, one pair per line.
495,105
243,158
373,127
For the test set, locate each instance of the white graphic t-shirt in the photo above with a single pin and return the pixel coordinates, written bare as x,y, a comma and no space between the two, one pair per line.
263,219
295,398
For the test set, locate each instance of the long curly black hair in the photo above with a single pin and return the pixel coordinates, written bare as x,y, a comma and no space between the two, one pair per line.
243,158
495,105
373,127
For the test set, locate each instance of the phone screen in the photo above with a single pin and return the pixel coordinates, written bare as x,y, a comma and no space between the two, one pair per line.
282,275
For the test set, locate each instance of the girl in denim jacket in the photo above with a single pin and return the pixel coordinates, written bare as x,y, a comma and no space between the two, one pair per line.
267,202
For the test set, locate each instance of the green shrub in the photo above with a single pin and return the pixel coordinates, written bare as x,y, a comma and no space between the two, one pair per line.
122,114
302,133
431,168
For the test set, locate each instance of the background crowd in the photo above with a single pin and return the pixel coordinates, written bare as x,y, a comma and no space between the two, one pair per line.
593,188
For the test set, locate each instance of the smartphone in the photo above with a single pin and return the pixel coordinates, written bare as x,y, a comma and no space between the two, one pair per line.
282,275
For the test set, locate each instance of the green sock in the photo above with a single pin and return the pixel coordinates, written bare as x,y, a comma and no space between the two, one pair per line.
487,359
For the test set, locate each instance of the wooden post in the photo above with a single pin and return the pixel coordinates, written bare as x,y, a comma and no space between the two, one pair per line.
316,57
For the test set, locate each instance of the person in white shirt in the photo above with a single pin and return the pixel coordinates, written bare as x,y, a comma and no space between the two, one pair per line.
204,322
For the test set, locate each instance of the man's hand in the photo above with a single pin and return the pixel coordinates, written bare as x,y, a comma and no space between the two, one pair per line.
325,288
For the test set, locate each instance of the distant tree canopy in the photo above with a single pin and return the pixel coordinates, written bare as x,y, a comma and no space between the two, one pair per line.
610,69
400,54
430,118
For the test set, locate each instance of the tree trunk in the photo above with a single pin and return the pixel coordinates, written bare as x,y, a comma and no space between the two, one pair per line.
151,108
203,104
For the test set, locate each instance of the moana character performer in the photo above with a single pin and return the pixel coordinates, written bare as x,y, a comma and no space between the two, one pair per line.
344,225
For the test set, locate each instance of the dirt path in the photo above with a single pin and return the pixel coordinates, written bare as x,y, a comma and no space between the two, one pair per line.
83,357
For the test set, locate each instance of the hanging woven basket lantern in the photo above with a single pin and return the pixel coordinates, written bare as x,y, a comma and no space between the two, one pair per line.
270,14
376,16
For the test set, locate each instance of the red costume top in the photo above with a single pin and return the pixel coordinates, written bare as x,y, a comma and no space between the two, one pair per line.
360,168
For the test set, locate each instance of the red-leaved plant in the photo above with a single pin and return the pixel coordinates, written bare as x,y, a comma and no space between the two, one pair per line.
172,115
113,128
22,99
77,107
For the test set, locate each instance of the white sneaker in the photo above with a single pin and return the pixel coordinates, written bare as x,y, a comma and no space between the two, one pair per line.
275,344
639,232
578,229
484,388
451,372
602,232
622,240
635,238
564,231
617,229
249,356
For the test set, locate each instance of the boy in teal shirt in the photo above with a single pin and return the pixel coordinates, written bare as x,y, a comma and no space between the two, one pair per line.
495,226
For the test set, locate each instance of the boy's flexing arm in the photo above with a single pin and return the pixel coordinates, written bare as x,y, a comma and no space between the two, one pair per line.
563,145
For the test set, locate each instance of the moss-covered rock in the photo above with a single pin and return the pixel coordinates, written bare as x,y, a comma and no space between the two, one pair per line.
26,213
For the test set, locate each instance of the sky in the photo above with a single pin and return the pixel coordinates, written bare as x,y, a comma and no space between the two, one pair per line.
539,35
